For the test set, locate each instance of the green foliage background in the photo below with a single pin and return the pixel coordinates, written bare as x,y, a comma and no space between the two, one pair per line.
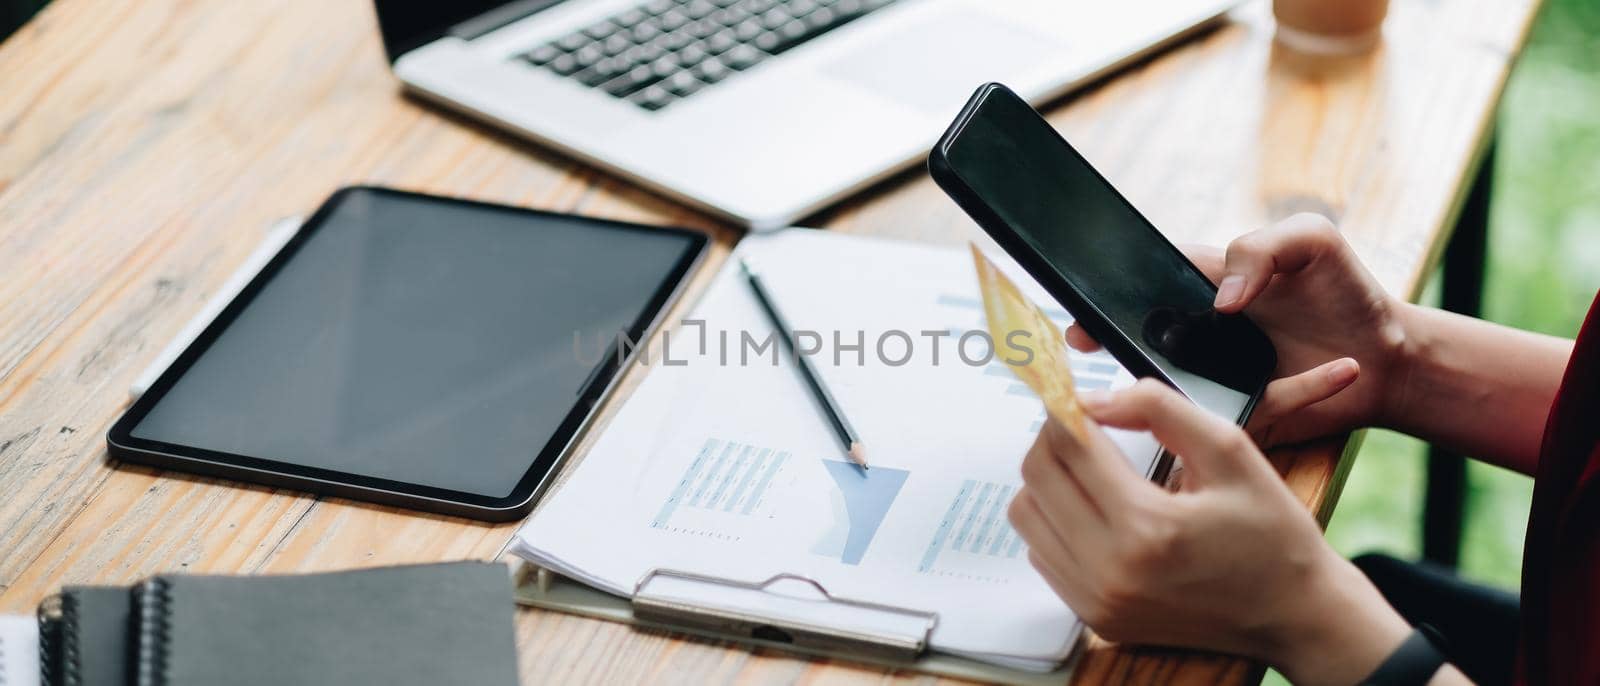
1544,270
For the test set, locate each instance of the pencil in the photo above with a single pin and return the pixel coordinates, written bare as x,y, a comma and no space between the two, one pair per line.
854,449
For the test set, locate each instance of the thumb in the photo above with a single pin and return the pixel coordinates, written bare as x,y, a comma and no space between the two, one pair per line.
1254,258
1291,394
1214,450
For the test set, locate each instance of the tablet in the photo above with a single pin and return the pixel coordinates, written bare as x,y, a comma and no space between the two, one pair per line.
411,350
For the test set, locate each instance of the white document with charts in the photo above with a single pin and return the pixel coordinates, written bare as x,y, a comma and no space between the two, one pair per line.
721,463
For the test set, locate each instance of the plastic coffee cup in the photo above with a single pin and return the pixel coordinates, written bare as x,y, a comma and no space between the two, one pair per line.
1330,27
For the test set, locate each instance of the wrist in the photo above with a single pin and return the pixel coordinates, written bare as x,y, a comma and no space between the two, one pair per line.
1409,343
1341,632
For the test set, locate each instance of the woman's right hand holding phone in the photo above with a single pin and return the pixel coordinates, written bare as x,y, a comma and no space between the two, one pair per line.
1339,335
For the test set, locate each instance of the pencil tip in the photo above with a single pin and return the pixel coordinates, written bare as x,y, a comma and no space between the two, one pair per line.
858,454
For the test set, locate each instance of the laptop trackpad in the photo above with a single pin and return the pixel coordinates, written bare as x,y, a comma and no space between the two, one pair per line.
935,64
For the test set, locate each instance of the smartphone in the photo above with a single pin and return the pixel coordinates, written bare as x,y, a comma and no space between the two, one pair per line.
1125,283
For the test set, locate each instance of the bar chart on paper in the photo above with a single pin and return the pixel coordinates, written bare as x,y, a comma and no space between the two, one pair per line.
858,506
725,483
973,540
1090,371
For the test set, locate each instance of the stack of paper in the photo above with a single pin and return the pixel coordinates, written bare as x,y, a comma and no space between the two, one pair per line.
19,650
721,464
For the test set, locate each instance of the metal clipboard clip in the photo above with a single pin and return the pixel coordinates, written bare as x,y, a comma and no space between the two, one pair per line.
764,611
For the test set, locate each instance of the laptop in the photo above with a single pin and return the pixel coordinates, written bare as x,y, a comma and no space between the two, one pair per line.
759,111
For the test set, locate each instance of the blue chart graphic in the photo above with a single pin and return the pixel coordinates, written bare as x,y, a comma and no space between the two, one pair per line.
1094,371
726,477
973,527
1087,375
973,302
859,506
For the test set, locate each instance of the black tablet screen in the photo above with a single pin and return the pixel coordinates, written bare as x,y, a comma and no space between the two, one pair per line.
420,340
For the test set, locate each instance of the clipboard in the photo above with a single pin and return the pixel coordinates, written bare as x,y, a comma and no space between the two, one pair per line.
547,589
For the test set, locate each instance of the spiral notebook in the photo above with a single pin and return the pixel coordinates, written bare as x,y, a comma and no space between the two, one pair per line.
426,624
419,624
83,636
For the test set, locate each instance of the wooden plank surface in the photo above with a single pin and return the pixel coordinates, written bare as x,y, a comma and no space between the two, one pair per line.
145,146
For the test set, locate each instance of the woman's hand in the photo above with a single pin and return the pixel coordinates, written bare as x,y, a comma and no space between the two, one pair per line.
1233,563
1337,332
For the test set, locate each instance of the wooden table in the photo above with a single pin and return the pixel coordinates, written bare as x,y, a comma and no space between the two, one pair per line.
144,146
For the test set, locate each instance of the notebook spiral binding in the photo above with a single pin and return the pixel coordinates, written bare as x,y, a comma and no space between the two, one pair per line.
71,665
49,614
150,605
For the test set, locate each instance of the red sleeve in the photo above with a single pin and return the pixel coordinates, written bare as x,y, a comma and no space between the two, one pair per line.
1560,635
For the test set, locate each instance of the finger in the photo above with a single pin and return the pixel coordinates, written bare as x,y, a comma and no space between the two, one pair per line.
1068,508
1208,258
1070,588
1095,464
1212,448
1044,543
1291,394
1286,247
1058,564
1080,340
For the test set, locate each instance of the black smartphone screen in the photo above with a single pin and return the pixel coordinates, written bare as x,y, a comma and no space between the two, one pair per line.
1088,246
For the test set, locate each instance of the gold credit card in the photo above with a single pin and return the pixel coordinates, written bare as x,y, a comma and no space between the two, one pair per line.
1027,342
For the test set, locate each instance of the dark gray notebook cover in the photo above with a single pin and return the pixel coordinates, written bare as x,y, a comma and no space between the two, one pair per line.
83,637
424,625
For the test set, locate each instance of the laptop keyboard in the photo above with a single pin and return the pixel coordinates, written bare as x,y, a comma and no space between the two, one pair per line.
662,51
